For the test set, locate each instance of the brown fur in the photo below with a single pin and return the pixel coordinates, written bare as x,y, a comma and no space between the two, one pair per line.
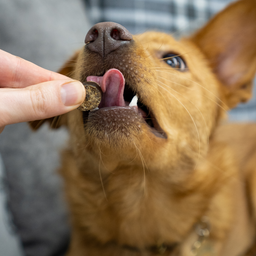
132,189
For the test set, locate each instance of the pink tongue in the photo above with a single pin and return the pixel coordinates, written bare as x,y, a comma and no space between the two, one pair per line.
112,85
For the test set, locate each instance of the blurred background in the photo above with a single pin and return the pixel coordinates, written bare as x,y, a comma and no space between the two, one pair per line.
33,215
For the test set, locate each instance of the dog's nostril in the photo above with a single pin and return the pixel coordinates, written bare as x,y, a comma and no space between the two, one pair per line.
95,34
120,33
115,34
92,36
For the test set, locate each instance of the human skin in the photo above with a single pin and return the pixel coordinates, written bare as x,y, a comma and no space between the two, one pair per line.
29,92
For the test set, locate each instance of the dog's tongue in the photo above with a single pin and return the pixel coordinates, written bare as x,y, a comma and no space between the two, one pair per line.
112,85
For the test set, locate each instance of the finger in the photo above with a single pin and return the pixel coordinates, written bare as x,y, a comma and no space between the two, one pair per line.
40,101
16,72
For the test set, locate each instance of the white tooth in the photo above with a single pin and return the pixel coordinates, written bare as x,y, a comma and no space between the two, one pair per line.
134,101
94,109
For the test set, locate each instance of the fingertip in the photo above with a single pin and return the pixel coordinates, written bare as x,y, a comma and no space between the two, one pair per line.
72,93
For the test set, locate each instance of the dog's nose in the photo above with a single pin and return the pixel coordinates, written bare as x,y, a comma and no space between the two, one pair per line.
106,37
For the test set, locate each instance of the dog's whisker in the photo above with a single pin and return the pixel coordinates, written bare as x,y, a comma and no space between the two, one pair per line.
143,167
176,83
200,112
216,99
196,128
174,73
182,95
100,174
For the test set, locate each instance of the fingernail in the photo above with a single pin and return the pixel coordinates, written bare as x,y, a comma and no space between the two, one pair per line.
72,93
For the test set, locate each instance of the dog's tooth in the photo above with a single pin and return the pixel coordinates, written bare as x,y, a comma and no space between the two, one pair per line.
94,109
134,101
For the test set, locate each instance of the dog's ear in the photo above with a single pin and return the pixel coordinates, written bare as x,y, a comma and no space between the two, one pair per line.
229,43
69,66
55,122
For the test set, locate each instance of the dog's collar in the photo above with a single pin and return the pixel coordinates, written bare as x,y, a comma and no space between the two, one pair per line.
202,229
155,249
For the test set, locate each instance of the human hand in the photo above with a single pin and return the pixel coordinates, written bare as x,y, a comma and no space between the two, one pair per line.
29,92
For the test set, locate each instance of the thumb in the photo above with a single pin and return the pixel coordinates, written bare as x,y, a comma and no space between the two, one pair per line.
40,101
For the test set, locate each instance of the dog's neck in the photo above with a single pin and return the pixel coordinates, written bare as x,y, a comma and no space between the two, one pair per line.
124,206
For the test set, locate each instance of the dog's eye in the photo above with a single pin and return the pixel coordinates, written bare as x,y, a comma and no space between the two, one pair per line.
175,61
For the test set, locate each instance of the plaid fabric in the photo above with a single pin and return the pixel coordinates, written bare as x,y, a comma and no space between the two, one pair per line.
182,16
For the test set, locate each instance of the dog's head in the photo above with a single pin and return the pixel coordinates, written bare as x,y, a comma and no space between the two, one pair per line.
183,90
183,87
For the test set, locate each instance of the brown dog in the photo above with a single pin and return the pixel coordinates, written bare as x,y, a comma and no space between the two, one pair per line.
158,177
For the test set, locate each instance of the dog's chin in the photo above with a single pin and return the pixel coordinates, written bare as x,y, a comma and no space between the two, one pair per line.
114,122
119,124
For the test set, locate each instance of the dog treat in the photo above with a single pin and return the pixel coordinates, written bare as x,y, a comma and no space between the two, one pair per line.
93,96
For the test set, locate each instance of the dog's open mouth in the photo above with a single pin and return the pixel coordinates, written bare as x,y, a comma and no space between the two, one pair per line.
118,94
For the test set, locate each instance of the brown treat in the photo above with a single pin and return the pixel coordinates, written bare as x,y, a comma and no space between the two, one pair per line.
93,96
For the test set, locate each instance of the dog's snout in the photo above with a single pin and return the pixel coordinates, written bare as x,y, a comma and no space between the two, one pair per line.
106,37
